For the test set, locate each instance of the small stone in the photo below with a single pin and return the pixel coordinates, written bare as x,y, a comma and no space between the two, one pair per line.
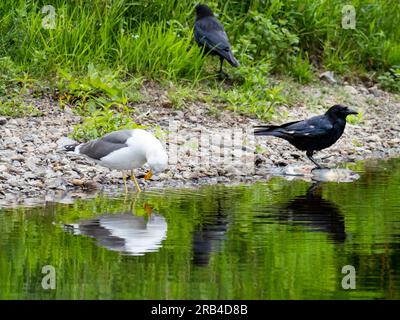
3,121
259,159
373,138
328,77
55,183
18,157
64,141
16,163
350,90
375,91
179,114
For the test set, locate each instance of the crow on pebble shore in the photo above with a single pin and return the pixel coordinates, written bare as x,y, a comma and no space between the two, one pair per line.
313,134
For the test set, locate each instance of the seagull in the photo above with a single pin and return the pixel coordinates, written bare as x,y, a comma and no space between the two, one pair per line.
125,150
312,134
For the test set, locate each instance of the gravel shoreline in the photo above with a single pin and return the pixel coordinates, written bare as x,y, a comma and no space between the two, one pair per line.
33,167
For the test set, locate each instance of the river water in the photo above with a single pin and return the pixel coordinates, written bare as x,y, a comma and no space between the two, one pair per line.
278,239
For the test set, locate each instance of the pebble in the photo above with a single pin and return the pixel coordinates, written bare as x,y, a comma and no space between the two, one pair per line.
375,91
351,90
328,77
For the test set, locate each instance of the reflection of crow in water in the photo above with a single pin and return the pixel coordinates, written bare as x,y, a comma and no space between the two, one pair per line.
313,211
209,238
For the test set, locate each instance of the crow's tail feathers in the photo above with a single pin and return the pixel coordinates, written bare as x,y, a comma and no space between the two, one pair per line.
265,130
71,147
232,60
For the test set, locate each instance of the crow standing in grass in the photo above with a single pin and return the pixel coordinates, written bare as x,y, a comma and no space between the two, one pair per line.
210,35
313,134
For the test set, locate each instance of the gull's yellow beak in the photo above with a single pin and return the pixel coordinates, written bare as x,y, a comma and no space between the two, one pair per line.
147,208
148,175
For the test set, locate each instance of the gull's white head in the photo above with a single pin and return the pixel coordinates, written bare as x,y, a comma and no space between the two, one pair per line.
151,149
157,159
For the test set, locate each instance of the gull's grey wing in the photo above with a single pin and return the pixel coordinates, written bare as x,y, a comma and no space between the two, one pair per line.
99,148
119,136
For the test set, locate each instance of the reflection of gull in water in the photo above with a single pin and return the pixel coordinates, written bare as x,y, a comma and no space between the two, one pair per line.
125,232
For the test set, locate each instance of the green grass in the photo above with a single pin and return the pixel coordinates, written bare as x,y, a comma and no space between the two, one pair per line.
180,95
154,38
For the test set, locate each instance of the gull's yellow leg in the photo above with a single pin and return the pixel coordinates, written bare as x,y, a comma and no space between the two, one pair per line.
133,204
135,182
126,186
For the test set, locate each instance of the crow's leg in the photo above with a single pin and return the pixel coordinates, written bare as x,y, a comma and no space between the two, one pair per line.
312,189
310,156
221,74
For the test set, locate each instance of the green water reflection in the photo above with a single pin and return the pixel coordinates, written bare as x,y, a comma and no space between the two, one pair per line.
274,240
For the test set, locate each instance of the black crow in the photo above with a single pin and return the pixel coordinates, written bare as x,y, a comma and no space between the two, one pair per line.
313,134
209,34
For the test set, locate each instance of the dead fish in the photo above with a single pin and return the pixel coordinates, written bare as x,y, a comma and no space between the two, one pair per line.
336,175
296,170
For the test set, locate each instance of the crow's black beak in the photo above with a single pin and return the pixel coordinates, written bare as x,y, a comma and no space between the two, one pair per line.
349,111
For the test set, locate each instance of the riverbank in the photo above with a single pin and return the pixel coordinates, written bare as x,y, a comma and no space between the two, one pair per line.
204,148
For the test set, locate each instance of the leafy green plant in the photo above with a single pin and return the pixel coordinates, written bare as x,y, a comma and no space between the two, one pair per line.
8,73
357,143
16,108
103,121
301,69
390,80
262,37
355,119
97,88
255,95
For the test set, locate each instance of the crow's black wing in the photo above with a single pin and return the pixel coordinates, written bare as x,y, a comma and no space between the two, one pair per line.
316,127
209,32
